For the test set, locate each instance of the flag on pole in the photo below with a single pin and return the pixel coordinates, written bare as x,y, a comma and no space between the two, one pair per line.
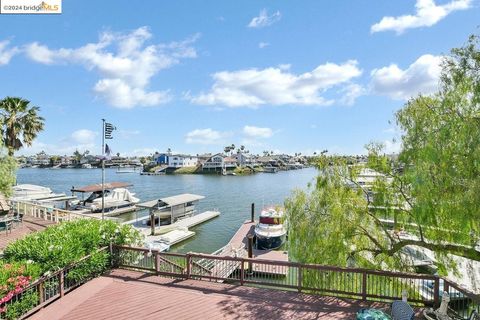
108,130
107,152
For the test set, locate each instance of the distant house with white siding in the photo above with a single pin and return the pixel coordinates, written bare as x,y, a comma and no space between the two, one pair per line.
182,160
175,160
218,162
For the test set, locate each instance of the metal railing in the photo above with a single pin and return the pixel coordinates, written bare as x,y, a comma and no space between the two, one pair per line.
53,286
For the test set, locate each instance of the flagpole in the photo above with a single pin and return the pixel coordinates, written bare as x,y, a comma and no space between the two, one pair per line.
103,169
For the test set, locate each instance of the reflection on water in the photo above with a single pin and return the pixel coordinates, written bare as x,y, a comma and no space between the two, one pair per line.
231,195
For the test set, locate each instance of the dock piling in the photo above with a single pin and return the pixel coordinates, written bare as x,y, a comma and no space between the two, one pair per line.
250,252
253,213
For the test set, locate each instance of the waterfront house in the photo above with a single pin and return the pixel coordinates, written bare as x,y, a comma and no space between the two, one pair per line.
181,160
175,160
218,162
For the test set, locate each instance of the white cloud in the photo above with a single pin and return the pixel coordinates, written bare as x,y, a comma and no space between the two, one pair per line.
6,53
427,14
83,136
257,132
262,45
277,86
120,94
125,62
81,140
264,20
351,93
206,136
421,77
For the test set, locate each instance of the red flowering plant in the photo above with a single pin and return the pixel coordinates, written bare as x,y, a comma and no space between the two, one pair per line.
14,278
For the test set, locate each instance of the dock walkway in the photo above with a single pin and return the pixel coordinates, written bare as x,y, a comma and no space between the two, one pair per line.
237,247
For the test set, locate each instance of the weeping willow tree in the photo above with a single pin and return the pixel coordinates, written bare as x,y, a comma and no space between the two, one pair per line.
432,190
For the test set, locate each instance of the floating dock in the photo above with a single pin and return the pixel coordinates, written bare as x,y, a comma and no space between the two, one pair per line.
173,237
173,233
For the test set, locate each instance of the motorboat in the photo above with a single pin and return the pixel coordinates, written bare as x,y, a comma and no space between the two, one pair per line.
117,198
270,231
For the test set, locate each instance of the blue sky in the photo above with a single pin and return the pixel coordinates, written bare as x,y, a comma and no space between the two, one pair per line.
195,76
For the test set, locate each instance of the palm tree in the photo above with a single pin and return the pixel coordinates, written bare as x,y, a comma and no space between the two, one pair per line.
19,123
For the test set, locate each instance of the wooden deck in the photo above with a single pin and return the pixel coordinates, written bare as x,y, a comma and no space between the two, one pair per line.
125,294
29,225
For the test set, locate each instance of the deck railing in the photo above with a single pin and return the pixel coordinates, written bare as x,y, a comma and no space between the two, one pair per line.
36,210
355,283
50,287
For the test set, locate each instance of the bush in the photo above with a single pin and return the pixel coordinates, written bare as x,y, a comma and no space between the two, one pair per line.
18,308
60,245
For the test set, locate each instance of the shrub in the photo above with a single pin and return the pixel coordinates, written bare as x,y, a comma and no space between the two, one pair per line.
60,245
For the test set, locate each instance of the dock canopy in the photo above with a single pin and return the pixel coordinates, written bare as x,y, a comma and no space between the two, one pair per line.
171,201
98,187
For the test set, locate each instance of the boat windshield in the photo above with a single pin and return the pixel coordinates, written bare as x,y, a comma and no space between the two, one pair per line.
270,220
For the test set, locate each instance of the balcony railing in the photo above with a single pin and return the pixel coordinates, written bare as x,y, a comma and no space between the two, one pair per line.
367,285
51,287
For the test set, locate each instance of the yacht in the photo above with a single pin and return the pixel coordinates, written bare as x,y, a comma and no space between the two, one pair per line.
117,199
270,231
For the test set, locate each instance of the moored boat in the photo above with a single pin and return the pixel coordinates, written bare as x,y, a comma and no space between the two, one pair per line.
270,231
117,199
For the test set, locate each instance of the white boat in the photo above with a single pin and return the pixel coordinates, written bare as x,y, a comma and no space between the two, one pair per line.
270,231
117,198
31,192
86,166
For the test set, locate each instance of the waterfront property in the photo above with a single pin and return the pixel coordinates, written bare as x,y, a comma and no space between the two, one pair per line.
218,163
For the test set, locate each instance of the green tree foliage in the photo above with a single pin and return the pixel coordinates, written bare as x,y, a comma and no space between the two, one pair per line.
7,173
19,123
432,190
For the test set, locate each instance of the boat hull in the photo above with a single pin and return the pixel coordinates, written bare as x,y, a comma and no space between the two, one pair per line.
269,243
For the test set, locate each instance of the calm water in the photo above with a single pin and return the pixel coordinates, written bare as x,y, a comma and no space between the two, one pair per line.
232,195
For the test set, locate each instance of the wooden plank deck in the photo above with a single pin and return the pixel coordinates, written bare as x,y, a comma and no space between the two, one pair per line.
29,225
126,294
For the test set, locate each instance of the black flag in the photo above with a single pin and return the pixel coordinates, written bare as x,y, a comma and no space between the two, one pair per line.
108,130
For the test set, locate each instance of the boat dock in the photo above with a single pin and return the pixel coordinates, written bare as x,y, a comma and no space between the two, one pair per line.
238,247
173,233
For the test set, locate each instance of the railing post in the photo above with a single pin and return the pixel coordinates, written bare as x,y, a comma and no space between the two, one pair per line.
61,281
446,286
41,293
157,262
364,286
242,272
300,278
189,265
436,292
